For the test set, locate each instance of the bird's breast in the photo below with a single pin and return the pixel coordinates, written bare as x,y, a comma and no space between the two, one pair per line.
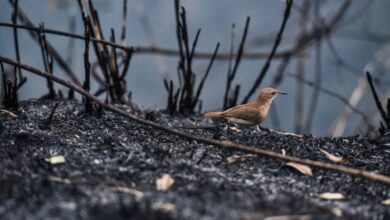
263,111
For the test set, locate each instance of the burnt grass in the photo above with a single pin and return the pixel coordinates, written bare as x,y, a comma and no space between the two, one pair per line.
112,165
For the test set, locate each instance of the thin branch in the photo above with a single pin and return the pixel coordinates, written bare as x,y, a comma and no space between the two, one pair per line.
231,75
4,87
178,28
49,119
377,102
97,29
47,63
124,22
101,56
221,144
230,62
16,38
206,74
87,64
119,87
126,62
278,39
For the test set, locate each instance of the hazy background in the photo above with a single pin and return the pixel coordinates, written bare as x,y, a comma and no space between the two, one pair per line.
361,42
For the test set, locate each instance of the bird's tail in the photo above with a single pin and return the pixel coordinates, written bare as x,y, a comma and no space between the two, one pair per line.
212,114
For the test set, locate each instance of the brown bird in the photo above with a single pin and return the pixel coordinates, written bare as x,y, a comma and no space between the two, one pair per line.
252,113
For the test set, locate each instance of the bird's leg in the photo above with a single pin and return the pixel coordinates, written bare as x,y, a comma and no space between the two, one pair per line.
258,128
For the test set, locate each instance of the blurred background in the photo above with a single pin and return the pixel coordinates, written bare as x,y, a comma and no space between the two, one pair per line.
328,93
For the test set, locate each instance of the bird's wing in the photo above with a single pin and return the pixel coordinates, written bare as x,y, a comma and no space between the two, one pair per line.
245,112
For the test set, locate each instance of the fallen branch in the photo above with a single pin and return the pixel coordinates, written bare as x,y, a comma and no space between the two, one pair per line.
222,144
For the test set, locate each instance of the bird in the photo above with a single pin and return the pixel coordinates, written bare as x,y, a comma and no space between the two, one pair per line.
252,113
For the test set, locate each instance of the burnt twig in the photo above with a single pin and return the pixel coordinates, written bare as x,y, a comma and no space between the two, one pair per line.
116,78
200,87
47,63
87,65
187,98
124,22
10,100
15,32
231,75
49,119
378,103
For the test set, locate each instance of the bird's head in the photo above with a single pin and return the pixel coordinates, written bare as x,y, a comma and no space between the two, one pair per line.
268,94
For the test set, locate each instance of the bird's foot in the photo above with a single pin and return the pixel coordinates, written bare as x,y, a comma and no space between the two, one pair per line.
232,128
235,129
258,128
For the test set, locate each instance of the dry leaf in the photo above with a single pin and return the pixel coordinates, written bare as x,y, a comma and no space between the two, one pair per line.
286,133
336,211
164,206
68,205
332,196
237,158
301,168
59,159
164,183
386,202
332,157
59,180
137,194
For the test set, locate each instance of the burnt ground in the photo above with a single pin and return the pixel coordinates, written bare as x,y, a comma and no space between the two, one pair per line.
112,165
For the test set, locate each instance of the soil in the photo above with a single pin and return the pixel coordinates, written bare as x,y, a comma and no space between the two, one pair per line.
112,164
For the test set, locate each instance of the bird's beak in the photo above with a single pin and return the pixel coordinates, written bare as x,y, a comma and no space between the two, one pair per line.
282,93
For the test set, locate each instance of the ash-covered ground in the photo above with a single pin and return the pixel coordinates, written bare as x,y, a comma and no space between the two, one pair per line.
112,164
